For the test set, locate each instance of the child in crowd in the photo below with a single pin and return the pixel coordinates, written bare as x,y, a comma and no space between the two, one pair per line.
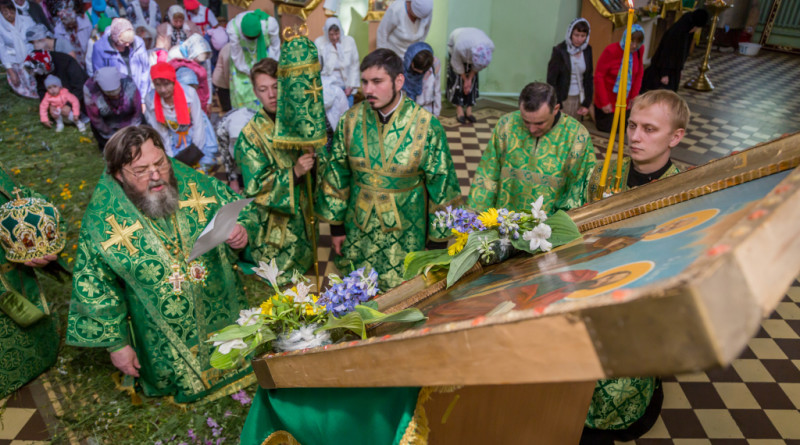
59,103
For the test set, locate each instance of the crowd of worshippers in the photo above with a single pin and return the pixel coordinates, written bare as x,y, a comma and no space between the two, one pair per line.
384,172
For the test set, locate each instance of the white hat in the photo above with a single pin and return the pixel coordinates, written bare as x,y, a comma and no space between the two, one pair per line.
422,8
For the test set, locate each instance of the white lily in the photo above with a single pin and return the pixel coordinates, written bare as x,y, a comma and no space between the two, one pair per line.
536,210
226,346
269,272
301,296
538,237
248,317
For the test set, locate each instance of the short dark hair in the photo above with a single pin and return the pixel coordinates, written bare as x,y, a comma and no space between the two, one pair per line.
581,27
264,66
334,28
125,146
423,61
386,59
536,94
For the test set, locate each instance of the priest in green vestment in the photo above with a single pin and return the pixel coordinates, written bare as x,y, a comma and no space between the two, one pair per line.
536,151
275,177
388,171
623,409
28,337
135,291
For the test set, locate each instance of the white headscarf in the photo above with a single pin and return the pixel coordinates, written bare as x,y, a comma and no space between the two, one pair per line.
328,23
421,8
16,35
572,49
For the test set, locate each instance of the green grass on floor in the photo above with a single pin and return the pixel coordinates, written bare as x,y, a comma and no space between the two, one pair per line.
65,167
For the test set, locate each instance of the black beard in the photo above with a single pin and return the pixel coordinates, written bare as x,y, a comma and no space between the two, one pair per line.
155,205
394,96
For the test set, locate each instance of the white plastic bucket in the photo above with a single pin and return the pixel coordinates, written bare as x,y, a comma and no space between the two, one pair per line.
749,49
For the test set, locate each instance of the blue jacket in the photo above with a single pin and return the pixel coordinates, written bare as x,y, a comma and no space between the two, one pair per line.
104,54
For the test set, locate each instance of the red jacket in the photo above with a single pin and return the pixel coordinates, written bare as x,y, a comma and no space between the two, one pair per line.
605,75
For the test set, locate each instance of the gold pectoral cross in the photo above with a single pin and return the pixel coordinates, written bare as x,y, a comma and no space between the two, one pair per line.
121,235
176,279
198,201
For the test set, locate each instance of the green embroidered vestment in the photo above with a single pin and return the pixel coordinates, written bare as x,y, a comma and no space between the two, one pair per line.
132,286
282,205
28,351
384,183
516,168
594,182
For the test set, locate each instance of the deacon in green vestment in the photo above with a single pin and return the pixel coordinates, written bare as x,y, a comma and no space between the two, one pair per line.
625,408
134,290
28,350
275,178
389,170
536,151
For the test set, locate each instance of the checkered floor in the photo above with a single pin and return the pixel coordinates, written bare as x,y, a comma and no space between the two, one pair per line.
756,400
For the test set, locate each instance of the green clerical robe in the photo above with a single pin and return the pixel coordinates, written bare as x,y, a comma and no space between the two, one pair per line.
282,205
26,351
133,286
384,183
516,168
594,182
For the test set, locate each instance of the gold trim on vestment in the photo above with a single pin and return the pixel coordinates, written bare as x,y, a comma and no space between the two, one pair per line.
309,68
280,438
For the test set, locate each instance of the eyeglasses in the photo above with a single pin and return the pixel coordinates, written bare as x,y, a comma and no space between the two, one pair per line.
161,167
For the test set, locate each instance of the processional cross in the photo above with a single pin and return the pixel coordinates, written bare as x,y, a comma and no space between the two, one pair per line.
121,235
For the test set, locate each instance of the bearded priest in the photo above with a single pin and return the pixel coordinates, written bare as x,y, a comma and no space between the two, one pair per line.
136,293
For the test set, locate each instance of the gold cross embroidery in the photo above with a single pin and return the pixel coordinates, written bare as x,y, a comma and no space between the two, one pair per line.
315,90
121,235
17,191
198,201
176,279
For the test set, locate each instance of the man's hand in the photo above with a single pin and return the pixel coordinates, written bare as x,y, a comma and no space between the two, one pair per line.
582,111
337,243
126,361
41,261
665,80
608,109
304,164
238,238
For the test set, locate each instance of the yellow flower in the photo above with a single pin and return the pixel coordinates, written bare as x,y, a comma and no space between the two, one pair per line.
489,218
310,309
266,307
461,240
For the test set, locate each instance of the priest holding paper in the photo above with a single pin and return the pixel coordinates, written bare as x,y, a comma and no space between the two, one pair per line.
137,291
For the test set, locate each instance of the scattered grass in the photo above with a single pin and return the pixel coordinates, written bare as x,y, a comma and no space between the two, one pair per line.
65,167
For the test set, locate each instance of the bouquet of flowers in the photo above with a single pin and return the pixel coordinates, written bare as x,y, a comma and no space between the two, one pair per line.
490,237
296,318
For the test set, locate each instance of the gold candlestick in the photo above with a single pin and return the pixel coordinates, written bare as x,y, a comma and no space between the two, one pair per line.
701,82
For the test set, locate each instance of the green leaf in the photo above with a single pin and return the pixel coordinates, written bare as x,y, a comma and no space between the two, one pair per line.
235,331
351,321
371,304
370,315
224,361
416,262
564,229
464,260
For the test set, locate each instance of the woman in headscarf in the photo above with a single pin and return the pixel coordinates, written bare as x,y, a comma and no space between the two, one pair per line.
33,10
423,82
253,35
175,112
607,77
121,48
341,57
176,29
144,12
673,50
195,54
14,49
75,29
469,51
570,69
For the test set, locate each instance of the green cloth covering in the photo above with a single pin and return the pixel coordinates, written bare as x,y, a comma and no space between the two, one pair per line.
331,416
594,182
300,117
251,27
517,168
26,351
123,294
242,94
103,23
281,205
384,183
